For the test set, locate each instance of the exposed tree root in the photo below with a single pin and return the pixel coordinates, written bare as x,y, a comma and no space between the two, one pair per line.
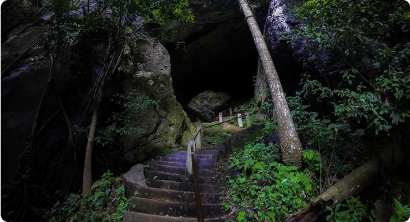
350,185
33,137
47,122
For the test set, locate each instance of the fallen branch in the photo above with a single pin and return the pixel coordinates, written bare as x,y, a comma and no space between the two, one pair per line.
350,185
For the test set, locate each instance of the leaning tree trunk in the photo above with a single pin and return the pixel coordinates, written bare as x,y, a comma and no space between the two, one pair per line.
289,139
350,185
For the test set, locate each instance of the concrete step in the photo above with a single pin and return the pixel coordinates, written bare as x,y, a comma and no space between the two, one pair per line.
182,160
182,186
178,170
183,156
207,151
174,209
180,177
176,195
203,165
140,217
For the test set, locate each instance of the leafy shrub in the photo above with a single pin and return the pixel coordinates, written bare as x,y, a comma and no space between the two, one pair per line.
103,205
314,160
267,186
374,87
123,123
400,213
353,210
216,137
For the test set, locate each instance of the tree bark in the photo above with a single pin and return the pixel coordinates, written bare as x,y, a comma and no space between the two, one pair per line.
289,140
349,186
87,175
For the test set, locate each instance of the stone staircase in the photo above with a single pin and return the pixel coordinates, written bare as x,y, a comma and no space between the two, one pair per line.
170,195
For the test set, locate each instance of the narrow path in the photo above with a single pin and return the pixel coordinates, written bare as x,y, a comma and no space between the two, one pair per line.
170,195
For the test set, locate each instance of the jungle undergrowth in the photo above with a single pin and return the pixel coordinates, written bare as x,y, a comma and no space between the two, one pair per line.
262,188
108,203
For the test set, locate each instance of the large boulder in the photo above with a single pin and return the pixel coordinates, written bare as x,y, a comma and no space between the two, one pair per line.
215,101
165,124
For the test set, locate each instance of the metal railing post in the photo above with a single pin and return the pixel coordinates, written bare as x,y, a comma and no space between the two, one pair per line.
248,120
198,140
190,149
240,124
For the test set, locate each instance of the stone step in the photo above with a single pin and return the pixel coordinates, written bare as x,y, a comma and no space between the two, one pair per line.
182,186
178,170
182,160
176,195
183,156
202,165
207,151
179,177
140,217
174,209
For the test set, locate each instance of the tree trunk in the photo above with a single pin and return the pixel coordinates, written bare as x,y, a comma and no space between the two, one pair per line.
349,186
87,174
289,139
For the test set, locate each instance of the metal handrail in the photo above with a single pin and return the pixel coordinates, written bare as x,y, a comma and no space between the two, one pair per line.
219,123
198,202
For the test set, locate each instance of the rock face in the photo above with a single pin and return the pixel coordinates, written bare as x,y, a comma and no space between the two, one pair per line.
289,57
23,85
164,125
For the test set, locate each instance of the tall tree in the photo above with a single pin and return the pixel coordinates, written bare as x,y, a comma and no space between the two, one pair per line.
289,139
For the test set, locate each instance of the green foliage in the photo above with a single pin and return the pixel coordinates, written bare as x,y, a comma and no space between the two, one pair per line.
268,187
75,22
103,205
401,213
314,160
353,210
242,216
123,122
318,132
216,137
370,38
270,126
208,125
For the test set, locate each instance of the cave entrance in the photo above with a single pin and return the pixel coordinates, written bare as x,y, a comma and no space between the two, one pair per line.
224,59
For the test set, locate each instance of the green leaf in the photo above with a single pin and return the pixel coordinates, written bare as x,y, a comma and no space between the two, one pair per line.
259,165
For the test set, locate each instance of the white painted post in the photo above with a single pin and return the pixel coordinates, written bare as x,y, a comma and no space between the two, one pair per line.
188,163
198,140
240,120
220,117
248,120
230,111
